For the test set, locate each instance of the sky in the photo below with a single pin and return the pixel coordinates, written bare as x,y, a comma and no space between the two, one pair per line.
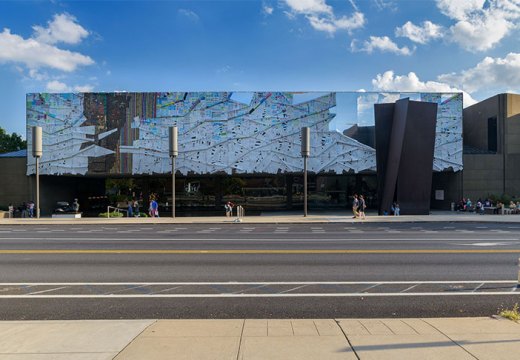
470,46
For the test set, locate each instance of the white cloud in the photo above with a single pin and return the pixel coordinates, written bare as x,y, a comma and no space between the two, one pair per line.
310,6
322,18
383,44
420,34
382,5
480,24
35,54
459,10
63,28
36,75
83,88
56,86
189,14
490,74
388,81
267,10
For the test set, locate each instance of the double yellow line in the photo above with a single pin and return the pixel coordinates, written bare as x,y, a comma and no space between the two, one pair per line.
260,251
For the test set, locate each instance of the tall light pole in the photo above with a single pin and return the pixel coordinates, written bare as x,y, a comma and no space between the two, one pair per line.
306,152
174,151
37,152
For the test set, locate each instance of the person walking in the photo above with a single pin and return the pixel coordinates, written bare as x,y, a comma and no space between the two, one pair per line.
11,211
355,206
150,209
362,207
155,208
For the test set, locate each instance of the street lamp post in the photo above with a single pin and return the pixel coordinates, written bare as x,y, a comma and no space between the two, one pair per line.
174,151
37,152
306,152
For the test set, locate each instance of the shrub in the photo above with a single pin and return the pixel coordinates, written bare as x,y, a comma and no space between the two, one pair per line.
112,215
511,314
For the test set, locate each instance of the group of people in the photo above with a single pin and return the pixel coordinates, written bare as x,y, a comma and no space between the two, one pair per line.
27,209
358,206
465,204
133,208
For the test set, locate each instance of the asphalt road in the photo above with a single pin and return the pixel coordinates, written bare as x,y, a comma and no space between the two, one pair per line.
257,271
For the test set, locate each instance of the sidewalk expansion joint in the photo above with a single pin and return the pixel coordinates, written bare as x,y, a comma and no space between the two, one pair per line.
453,341
241,339
131,341
348,340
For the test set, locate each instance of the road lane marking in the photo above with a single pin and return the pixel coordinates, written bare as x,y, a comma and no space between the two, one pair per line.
296,288
363,239
368,288
409,288
231,295
126,289
165,290
478,287
259,251
45,291
253,283
486,244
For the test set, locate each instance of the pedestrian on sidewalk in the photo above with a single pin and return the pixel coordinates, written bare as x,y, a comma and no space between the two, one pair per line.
355,206
362,207
130,209
135,206
229,208
395,209
11,211
30,206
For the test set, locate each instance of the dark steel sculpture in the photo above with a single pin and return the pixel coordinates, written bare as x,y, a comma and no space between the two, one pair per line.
405,142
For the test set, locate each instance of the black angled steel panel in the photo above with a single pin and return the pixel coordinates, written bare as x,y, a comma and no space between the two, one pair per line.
405,141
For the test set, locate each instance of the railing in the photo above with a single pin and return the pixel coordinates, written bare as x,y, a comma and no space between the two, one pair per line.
240,213
116,210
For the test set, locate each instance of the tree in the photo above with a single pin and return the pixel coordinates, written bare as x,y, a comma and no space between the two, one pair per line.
11,142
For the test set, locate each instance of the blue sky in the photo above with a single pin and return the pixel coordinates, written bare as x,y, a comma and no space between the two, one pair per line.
292,45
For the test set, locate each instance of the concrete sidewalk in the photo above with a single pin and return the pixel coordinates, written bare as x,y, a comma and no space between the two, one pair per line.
438,338
278,218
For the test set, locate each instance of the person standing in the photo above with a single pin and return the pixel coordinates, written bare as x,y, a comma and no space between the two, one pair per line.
136,207
395,209
355,206
11,211
229,208
30,206
130,209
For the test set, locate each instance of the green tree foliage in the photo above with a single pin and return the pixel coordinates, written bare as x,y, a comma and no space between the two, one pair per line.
11,142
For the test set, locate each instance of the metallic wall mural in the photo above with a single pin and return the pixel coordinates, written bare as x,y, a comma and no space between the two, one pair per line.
228,132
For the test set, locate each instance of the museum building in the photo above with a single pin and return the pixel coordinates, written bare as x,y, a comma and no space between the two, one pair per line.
245,147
